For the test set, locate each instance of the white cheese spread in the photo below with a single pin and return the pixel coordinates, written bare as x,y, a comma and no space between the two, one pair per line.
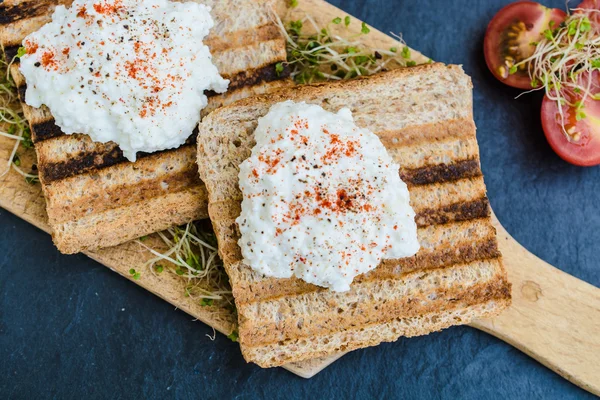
129,71
323,200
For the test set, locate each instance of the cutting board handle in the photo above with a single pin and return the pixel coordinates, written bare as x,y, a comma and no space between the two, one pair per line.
554,318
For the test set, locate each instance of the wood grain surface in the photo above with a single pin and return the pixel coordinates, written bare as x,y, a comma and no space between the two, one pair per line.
555,318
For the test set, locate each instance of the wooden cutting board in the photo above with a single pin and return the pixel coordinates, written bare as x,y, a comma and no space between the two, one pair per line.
555,318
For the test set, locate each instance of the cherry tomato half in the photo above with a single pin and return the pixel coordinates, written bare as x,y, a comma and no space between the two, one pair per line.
510,35
575,136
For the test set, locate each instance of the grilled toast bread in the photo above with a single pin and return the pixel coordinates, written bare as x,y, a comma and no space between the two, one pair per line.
423,116
96,198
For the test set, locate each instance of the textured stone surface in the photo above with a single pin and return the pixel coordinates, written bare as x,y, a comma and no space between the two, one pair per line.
71,328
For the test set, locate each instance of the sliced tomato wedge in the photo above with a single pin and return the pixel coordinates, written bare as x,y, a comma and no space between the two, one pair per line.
510,35
574,136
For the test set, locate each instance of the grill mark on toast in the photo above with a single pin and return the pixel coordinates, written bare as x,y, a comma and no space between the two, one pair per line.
454,212
253,77
11,51
113,187
26,10
394,299
44,130
441,173
87,162
271,288
21,92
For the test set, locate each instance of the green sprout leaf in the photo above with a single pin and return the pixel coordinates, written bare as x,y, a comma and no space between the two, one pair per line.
27,143
159,268
513,69
17,160
394,49
365,29
411,63
296,27
233,336
206,302
21,52
278,68
144,238
585,26
405,52
293,3
596,63
347,20
548,34
337,20
136,275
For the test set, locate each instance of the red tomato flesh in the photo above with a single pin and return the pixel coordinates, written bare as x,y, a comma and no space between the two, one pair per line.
510,35
579,142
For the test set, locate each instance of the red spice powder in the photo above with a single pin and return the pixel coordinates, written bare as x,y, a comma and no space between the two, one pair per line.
271,161
108,8
66,51
48,60
31,47
82,12
132,69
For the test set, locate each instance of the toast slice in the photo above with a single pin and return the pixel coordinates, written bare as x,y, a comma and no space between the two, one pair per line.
423,116
96,198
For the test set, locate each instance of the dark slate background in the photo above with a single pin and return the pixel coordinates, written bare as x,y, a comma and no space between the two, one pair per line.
70,328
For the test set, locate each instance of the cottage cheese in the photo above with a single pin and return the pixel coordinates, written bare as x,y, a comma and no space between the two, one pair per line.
323,200
129,71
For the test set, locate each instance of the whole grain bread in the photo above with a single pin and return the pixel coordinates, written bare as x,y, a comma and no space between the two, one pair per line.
95,197
423,116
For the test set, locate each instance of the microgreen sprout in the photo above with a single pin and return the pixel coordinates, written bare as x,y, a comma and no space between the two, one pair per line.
563,63
190,252
134,274
317,53
233,336
13,125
